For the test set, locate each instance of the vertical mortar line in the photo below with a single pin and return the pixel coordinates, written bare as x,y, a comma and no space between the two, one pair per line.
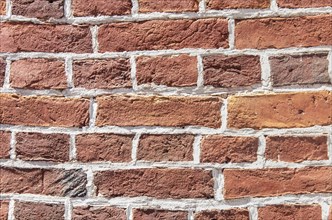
261,151
11,210
265,72
68,209
134,147
8,8
90,187
224,115
253,213
67,9
201,6
94,35
6,83
135,7
69,71
12,151
72,148
191,215
273,5
129,212
231,32
93,112
329,57
218,184
197,149
200,71
133,72
325,210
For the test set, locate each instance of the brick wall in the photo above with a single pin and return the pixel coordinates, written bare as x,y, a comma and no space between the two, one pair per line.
173,109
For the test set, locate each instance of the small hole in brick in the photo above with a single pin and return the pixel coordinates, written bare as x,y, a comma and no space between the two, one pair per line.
300,111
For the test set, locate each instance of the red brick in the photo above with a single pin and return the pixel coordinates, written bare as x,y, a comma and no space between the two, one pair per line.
158,183
42,147
38,74
4,209
45,38
225,149
102,74
43,9
231,71
40,211
2,71
303,3
149,214
290,212
91,212
163,34
5,137
330,213
299,69
276,182
2,7
167,70
296,148
228,4
71,183
158,111
101,7
231,214
168,5
104,147
43,111
285,110
283,32
165,147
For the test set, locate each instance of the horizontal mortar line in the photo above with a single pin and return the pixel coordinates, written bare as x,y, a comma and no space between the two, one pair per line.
168,130
191,51
177,204
227,13
96,167
169,91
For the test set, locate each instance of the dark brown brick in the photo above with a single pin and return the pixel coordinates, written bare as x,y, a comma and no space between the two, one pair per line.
104,147
40,211
98,213
2,71
102,74
43,9
5,137
149,214
165,147
230,214
231,71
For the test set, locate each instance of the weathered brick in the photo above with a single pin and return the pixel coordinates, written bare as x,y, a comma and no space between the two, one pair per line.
38,74
2,71
29,37
43,9
71,183
303,3
104,147
225,149
228,4
5,137
167,70
158,111
296,148
102,74
290,212
285,110
330,213
299,69
231,71
40,211
276,182
283,32
230,214
101,7
91,212
165,147
43,111
168,5
158,183
163,34
42,147
149,214
4,209
2,7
